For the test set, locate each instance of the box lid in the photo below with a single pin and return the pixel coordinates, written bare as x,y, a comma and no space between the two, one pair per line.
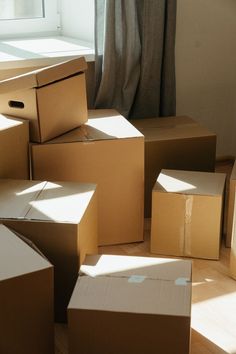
43,76
16,257
190,182
170,128
7,122
103,124
64,202
134,284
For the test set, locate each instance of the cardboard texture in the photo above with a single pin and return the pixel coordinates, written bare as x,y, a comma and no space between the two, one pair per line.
131,305
61,219
187,213
109,151
52,98
26,298
14,146
174,143
230,207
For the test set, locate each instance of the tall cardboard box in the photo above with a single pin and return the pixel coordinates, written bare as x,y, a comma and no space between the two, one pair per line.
61,219
109,151
26,298
131,305
52,98
187,213
230,205
177,143
14,147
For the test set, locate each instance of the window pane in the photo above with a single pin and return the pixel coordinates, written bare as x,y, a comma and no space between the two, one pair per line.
20,9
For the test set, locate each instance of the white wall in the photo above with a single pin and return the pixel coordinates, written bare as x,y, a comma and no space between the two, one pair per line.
206,67
77,17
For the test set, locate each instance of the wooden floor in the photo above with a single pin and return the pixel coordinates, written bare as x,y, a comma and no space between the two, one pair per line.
213,319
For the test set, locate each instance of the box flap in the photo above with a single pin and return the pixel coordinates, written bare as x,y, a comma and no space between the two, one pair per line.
190,182
170,128
16,257
43,76
149,285
7,122
104,125
34,200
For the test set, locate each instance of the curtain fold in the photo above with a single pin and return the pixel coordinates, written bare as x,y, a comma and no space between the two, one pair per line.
134,57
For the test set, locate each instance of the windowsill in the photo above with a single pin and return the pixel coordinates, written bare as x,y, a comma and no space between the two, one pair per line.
23,52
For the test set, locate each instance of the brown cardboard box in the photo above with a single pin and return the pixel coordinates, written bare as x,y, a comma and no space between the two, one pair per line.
52,98
14,146
174,143
61,219
26,298
187,213
230,209
108,151
131,305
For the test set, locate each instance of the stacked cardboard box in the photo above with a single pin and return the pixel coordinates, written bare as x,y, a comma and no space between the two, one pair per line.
61,219
109,151
187,213
178,143
26,298
231,206
131,305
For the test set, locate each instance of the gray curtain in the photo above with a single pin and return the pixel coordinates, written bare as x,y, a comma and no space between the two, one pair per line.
134,57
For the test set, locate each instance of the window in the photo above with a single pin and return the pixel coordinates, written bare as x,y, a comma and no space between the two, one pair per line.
24,17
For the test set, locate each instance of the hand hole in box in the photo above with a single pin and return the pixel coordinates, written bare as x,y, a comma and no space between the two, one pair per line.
16,104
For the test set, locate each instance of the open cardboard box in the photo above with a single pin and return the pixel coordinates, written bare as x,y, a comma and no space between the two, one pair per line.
131,305
61,219
26,298
52,98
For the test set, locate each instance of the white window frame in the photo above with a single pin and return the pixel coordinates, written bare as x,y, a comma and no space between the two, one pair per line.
50,24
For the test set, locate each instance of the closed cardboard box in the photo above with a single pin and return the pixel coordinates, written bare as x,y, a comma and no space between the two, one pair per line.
230,204
14,147
174,143
26,298
131,305
187,213
107,151
61,219
53,98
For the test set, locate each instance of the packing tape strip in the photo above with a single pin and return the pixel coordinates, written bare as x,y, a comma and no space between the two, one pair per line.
136,278
187,225
182,281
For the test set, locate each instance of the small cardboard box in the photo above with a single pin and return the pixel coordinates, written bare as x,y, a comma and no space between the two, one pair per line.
177,143
230,209
61,219
131,305
108,151
187,213
53,98
14,147
26,298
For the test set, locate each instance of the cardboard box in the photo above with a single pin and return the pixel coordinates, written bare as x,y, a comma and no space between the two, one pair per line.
14,147
61,219
131,305
53,98
26,298
108,151
187,213
177,143
230,206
